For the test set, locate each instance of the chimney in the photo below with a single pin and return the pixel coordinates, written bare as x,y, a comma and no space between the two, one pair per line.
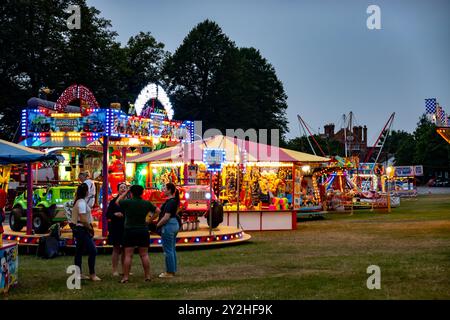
360,133
365,135
329,130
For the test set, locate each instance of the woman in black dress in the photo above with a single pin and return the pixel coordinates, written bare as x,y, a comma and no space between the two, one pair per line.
115,229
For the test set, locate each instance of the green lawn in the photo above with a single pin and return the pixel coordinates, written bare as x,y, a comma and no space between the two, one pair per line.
322,259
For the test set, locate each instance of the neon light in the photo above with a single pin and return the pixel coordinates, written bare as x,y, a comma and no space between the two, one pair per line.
153,91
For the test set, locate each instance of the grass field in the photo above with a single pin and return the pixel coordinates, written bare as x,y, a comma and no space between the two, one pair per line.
322,259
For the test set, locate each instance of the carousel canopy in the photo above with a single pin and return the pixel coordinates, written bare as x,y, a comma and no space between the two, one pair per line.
11,153
233,147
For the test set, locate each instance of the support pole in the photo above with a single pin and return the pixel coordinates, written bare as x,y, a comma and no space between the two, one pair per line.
29,198
210,202
105,185
238,191
124,160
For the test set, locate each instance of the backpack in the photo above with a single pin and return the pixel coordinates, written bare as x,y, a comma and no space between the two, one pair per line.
217,215
48,248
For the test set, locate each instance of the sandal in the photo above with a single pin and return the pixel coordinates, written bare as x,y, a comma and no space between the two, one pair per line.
148,279
123,281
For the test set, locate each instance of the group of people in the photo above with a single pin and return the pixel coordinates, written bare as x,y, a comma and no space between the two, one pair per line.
129,217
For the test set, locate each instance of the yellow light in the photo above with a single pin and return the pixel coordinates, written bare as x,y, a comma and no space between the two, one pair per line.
269,164
306,168
134,142
167,164
144,172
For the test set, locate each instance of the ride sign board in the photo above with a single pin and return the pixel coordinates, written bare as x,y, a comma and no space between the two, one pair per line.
408,171
214,159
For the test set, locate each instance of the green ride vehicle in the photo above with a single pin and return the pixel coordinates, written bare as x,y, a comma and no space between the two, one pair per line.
48,208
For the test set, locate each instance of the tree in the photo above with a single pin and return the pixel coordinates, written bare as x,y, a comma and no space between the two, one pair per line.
331,147
31,46
193,68
223,86
399,144
144,61
431,150
92,56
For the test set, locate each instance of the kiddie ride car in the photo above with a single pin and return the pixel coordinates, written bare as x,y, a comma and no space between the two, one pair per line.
48,208
195,202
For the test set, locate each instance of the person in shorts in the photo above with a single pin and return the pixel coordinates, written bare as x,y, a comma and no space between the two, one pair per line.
136,228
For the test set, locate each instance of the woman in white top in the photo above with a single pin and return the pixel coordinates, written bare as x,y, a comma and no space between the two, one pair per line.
83,232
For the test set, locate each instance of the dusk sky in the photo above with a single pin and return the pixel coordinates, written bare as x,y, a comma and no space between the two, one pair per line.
328,60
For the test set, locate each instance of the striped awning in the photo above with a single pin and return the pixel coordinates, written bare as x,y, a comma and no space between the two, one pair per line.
233,147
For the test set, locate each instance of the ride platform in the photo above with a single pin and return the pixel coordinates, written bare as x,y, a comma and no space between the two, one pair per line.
220,236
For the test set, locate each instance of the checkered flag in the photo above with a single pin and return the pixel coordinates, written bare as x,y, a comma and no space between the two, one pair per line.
430,106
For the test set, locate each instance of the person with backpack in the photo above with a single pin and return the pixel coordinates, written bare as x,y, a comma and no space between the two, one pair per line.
136,230
169,224
83,231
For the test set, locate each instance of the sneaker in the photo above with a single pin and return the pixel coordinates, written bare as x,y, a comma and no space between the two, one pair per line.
84,277
166,275
95,278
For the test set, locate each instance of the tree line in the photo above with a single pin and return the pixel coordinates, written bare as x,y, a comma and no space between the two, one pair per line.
208,77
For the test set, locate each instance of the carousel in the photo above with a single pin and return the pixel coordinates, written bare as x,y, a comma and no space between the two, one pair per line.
98,141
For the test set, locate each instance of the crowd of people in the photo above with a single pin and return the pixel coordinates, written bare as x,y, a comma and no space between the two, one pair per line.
128,217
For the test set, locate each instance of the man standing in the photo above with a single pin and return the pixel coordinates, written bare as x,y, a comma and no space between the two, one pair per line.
84,178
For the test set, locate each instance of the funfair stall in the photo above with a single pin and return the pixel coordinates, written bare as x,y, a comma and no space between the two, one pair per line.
403,182
260,186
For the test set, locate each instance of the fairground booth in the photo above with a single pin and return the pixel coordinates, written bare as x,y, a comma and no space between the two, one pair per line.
403,182
261,187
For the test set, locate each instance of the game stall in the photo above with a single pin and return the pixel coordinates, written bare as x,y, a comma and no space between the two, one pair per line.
403,182
261,187
336,186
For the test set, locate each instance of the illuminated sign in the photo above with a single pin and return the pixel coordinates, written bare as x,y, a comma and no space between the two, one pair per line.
214,159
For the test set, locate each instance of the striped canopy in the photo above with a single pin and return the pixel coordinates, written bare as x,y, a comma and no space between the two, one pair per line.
233,147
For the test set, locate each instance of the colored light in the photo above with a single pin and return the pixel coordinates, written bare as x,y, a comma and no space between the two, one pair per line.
197,240
159,241
186,240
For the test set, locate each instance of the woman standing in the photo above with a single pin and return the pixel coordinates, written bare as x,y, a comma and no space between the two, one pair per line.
83,232
169,225
136,230
116,228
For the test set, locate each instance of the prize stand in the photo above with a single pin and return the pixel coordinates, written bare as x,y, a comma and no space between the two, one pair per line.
253,183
